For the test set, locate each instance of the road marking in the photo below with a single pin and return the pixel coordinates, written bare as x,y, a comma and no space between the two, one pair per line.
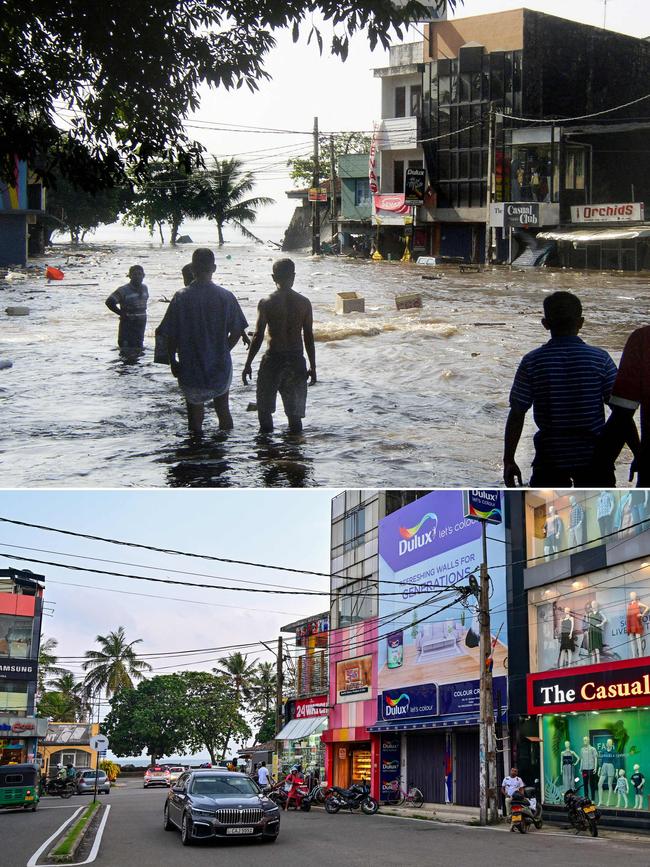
98,840
33,860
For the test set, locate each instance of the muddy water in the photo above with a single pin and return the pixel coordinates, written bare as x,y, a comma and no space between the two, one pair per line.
404,399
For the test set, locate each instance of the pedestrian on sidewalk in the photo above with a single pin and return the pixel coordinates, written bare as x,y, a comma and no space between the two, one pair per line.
288,316
567,383
203,324
129,302
510,785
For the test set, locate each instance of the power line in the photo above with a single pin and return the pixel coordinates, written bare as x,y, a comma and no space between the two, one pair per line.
578,117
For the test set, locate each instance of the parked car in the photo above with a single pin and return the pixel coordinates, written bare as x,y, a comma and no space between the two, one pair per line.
156,775
207,805
86,782
174,773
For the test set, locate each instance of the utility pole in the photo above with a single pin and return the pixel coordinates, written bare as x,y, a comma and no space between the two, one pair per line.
333,196
490,183
315,215
487,733
278,688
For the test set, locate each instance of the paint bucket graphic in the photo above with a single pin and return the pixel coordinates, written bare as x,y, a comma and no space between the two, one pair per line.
395,654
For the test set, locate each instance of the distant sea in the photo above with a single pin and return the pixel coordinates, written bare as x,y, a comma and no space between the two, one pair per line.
200,231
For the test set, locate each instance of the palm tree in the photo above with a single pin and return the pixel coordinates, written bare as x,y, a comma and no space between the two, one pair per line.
238,673
263,689
76,692
220,196
115,665
57,707
47,662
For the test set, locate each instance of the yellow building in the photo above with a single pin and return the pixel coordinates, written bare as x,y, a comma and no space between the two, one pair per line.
68,743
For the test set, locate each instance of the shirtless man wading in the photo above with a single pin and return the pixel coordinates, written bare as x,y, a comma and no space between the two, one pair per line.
288,316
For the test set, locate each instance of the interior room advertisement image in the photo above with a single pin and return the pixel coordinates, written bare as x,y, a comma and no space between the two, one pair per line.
426,550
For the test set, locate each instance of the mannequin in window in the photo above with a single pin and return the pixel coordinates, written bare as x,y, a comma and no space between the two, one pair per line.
588,768
605,513
625,517
567,625
607,773
622,789
596,621
568,760
636,611
552,533
576,524
637,779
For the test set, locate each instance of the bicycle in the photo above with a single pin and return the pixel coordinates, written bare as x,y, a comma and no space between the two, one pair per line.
413,797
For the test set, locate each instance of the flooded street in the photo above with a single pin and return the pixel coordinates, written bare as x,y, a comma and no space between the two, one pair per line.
404,399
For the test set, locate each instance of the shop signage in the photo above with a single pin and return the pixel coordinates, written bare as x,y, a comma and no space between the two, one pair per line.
390,758
483,505
464,697
409,703
519,214
414,186
18,669
20,726
619,213
390,209
306,708
608,686
354,679
315,626
317,194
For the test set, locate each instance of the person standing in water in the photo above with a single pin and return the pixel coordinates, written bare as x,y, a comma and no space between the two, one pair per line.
288,316
129,302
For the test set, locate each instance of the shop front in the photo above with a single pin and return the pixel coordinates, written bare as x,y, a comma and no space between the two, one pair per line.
594,726
68,744
19,738
299,741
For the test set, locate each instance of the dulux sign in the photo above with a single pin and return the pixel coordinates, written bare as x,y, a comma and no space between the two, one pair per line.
409,702
482,505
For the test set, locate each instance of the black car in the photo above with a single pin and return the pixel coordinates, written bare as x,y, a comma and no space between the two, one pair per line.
213,804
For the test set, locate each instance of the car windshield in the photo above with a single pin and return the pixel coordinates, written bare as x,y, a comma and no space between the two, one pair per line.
176,770
224,786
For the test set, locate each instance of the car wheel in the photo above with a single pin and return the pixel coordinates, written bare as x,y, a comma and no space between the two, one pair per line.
168,825
186,831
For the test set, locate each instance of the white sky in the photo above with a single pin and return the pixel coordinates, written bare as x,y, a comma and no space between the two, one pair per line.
346,95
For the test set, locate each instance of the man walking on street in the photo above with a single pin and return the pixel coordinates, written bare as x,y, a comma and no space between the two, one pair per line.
202,325
567,383
129,302
288,316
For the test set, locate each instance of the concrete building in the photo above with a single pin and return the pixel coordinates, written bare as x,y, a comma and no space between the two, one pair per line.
21,203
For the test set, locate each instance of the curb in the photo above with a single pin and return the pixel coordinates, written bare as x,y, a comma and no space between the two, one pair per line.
69,858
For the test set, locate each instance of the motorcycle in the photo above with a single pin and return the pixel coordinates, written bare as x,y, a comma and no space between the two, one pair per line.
582,812
354,798
61,788
522,817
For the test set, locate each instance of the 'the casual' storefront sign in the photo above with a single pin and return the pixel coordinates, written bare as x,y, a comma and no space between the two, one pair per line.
608,686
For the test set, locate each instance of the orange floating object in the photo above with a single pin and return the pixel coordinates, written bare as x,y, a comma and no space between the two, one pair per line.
54,273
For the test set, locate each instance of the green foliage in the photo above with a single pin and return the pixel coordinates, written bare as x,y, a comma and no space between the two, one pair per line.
154,716
126,74
220,196
267,729
62,851
166,197
239,674
111,769
74,692
115,665
215,716
560,727
302,168
57,707
47,662
263,691
79,212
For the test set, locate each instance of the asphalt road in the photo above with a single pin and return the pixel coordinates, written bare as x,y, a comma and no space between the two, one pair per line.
134,836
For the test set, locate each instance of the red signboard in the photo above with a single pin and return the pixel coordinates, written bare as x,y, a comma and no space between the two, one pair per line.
17,604
395,202
306,708
607,686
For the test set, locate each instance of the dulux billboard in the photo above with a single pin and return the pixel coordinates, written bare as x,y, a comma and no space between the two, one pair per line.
426,550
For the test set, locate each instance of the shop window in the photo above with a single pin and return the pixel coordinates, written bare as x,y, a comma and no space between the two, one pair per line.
400,102
416,100
361,765
398,176
574,177
530,173
353,529
15,636
361,192
13,697
607,752
359,604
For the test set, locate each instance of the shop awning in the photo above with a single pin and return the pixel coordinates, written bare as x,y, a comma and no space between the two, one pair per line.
297,729
589,235
406,726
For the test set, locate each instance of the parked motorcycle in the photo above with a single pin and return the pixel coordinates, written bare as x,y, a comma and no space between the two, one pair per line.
525,816
354,798
582,812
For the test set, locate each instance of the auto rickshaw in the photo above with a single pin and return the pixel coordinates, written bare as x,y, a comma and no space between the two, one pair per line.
19,786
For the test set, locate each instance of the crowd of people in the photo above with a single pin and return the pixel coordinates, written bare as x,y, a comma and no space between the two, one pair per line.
203,324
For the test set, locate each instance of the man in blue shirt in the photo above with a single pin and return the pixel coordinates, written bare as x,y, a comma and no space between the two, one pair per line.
129,302
202,325
567,383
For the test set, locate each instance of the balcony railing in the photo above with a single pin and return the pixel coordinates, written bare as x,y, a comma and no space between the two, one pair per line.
311,675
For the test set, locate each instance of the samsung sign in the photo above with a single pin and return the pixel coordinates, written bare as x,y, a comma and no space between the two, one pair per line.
18,669
608,686
410,702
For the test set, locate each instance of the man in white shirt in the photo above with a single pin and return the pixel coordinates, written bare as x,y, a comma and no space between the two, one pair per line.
510,785
263,775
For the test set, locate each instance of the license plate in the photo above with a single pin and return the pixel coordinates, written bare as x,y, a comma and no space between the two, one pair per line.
590,809
240,830
516,817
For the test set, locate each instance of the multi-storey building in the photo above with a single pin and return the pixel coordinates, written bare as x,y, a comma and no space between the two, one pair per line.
21,610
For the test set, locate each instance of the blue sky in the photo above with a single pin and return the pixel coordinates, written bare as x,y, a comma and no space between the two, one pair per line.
271,526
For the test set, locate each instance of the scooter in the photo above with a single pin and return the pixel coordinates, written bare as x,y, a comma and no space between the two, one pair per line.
582,812
522,816
61,788
357,796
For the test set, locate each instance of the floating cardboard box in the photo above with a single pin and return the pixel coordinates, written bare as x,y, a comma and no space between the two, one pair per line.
408,301
350,302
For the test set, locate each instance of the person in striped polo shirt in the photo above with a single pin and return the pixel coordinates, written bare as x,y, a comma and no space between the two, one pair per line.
567,383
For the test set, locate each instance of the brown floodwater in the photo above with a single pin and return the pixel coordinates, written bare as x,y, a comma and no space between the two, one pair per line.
405,398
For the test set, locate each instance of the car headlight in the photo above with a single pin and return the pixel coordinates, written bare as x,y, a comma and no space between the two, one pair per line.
270,810
198,812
